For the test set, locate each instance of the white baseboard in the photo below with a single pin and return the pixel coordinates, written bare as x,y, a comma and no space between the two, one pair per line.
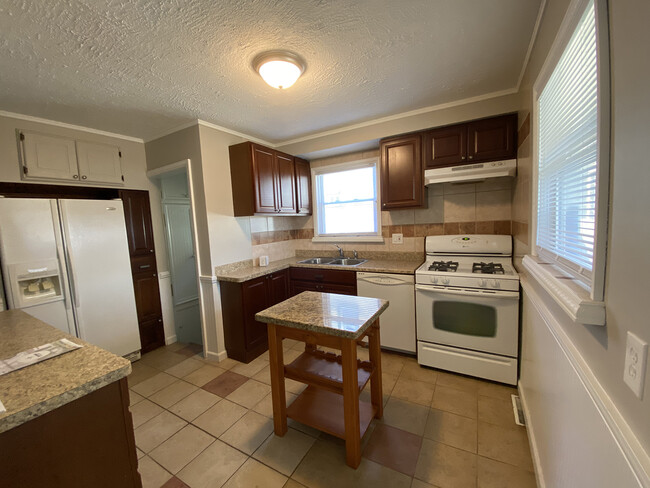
534,452
216,356
563,394
170,340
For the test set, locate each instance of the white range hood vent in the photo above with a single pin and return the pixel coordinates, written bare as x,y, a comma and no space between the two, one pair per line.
471,172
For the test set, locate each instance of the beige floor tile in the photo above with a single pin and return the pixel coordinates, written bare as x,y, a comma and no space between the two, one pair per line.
506,444
404,415
456,401
493,474
177,451
284,453
220,417
265,406
173,393
458,382
249,394
203,375
445,466
227,363
144,411
496,390
387,383
293,484
291,354
420,484
295,387
289,343
213,466
157,430
248,433
184,368
264,375
253,474
175,346
139,453
153,475
413,391
324,466
162,359
451,429
250,369
413,371
140,372
392,363
305,429
194,405
152,385
496,411
134,398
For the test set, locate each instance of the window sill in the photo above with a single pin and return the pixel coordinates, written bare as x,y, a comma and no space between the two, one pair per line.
573,299
348,239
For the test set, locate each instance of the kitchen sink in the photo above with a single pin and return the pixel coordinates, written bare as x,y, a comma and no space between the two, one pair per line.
317,261
348,262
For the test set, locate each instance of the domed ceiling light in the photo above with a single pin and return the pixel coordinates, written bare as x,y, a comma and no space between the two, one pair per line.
280,69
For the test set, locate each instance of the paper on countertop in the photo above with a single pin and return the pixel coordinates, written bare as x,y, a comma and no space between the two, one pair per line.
2,408
36,355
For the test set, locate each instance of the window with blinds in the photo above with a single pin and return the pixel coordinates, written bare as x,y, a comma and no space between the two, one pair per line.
567,110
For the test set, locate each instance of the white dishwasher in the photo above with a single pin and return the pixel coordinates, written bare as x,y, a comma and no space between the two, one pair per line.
397,323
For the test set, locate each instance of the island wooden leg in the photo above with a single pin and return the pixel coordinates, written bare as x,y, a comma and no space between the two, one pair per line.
376,393
351,402
277,381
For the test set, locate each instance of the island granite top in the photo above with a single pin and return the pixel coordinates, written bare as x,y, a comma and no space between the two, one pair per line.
40,388
327,313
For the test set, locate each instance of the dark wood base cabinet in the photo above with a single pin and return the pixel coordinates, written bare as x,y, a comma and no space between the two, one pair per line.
343,282
87,443
245,337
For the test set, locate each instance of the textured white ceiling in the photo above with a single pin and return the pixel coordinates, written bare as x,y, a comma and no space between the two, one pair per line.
141,67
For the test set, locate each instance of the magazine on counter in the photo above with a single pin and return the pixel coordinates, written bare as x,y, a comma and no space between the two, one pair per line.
36,355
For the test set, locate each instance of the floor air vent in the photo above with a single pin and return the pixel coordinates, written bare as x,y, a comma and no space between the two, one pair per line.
519,413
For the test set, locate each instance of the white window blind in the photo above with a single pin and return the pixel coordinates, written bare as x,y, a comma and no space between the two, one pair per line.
568,154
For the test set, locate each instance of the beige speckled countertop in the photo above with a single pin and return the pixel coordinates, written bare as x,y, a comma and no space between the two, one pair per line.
328,313
37,389
248,272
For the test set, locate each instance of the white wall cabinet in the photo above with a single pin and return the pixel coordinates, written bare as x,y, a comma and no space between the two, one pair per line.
48,157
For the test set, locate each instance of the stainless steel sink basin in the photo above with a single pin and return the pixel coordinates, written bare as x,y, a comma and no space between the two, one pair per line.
317,261
348,262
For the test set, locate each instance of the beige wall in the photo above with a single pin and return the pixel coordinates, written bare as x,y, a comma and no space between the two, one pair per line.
133,166
628,259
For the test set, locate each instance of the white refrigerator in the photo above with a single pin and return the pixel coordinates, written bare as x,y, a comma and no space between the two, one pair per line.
66,262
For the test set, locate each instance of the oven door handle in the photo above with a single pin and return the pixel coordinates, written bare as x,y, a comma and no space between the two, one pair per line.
469,292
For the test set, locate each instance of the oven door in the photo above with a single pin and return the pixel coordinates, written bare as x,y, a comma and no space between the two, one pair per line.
481,320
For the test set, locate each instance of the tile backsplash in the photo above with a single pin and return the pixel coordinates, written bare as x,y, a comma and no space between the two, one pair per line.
463,208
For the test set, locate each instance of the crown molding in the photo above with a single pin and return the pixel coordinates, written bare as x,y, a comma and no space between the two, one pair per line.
29,118
531,44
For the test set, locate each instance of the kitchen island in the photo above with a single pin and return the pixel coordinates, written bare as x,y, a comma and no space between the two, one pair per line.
67,422
331,401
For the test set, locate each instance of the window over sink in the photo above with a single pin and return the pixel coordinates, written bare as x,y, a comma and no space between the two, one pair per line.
346,200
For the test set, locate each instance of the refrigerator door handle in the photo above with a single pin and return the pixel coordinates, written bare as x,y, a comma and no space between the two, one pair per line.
73,280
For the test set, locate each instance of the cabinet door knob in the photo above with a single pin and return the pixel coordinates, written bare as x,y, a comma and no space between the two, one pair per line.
159,320
462,157
75,176
150,250
471,157
84,177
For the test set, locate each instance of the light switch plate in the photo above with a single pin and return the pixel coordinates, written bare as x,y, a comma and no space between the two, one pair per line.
398,238
636,355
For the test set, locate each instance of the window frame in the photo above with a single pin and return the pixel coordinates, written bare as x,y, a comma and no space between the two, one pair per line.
317,207
581,298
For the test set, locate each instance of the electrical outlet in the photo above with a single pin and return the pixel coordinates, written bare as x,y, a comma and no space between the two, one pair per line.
398,238
636,355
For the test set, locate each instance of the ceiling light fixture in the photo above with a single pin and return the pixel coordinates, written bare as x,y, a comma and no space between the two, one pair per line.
280,69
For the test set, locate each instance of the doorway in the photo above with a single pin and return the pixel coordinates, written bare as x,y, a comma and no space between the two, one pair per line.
179,233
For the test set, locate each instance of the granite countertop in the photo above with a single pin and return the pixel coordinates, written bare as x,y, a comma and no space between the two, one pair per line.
37,389
247,272
327,313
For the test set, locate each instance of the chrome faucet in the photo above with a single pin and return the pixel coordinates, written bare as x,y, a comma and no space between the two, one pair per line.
356,255
340,251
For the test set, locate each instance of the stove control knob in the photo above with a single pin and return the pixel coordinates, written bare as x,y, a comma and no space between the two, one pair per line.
445,281
483,283
434,279
496,284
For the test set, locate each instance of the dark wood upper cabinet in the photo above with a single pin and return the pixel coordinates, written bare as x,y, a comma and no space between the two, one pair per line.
401,172
477,141
491,139
137,215
303,186
264,181
445,146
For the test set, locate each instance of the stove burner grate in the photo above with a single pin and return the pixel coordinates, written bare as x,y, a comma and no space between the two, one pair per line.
488,268
448,266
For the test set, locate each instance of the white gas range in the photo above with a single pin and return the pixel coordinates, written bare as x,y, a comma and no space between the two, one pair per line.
467,306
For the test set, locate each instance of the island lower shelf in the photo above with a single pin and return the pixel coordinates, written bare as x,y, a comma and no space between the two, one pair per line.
323,410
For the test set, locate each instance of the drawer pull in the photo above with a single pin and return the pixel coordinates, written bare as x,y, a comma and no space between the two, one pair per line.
145,266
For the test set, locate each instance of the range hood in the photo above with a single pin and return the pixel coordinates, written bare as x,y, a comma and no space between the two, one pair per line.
471,172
